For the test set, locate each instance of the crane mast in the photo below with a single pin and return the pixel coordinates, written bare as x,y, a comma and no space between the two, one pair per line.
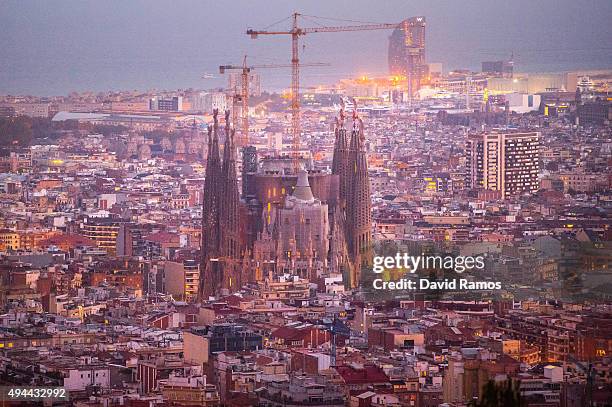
296,31
295,92
243,96
244,140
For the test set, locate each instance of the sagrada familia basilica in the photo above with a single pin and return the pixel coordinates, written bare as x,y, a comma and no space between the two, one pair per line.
290,219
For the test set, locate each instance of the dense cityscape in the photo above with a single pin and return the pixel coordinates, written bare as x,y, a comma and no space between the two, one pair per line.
215,247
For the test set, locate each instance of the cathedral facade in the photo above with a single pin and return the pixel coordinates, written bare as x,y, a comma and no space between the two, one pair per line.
295,237
299,230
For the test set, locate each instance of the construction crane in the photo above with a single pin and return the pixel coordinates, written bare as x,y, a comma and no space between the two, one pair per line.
243,96
296,32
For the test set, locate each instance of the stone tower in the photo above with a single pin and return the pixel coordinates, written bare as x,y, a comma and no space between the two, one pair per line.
210,215
339,260
340,158
221,248
229,211
352,168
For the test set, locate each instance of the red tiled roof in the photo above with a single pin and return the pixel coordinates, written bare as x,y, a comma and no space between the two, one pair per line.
367,374
71,239
288,333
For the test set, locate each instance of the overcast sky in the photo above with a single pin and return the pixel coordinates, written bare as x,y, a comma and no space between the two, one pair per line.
54,47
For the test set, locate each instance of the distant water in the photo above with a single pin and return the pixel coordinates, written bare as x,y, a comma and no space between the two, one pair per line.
53,48
143,74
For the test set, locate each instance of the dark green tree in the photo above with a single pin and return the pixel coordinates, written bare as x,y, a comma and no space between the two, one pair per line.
15,131
504,394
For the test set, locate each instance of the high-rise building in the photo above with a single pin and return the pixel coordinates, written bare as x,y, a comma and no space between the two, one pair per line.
174,104
407,52
131,239
505,162
594,111
208,102
103,231
182,279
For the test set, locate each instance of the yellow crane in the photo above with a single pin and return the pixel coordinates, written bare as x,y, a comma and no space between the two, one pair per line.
243,96
296,32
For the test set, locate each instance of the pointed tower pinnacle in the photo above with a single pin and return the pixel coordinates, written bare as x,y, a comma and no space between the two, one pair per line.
210,210
302,189
359,203
231,197
211,194
340,158
229,211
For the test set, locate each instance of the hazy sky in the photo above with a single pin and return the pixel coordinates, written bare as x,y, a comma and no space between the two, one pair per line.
54,47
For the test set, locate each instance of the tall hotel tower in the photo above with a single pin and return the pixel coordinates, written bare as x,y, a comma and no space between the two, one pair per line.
407,52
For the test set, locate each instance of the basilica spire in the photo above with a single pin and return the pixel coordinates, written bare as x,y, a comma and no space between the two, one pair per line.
210,219
229,209
340,158
359,203
221,248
